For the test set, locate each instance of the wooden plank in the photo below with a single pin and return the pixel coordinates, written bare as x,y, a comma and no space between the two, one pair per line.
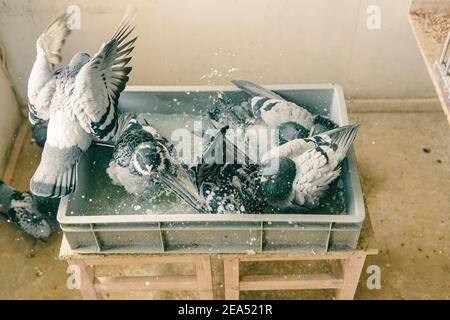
22,134
129,259
86,280
290,282
231,278
204,278
337,267
352,271
295,256
371,252
145,283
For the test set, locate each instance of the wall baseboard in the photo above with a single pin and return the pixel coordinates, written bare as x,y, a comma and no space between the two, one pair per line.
393,105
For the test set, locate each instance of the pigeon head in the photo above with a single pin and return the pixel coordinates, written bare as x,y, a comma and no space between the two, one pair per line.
277,177
39,228
79,60
148,159
5,196
291,130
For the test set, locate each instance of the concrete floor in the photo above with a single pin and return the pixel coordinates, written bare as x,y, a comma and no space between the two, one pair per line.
404,165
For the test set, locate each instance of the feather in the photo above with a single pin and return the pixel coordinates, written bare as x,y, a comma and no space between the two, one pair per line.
99,83
53,38
255,90
56,175
341,139
183,191
48,54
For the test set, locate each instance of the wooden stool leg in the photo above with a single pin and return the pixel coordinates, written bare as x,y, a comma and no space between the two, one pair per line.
352,267
87,277
231,274
204,278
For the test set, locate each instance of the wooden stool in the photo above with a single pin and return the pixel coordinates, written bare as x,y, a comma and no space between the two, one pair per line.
91,286
347,267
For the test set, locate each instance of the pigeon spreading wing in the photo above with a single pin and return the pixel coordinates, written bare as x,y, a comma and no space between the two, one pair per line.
82,107
99,83
41,85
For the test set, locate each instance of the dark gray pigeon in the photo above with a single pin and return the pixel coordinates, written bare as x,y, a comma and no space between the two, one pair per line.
34,215
226,179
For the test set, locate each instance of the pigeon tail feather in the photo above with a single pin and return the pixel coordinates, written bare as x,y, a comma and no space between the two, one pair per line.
60,186
343,138
57,173
254,89
184,192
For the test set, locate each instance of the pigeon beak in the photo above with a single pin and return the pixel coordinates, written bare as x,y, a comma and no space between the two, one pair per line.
149,168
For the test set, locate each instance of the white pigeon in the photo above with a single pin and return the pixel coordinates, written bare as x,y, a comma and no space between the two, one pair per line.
79,101
305,168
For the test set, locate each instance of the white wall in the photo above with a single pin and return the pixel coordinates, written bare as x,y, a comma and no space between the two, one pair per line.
9,119
213,41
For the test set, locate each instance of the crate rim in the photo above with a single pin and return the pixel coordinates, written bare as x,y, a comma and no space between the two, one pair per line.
206,88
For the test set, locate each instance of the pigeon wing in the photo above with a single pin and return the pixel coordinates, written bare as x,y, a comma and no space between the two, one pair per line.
48,54
254,89
53,38
314,174
99,83
341,141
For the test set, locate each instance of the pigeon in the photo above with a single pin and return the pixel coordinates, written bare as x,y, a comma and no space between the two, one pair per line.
234,189
79,101
249,134
297,174
34,215
127,167
277,112
266,120
227,180
144,164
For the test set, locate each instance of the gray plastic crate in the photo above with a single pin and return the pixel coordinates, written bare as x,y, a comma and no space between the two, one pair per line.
101,217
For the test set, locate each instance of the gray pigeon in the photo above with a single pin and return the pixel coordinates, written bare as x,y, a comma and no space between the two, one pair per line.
127,168
305,168
79,101
276,111
36,216
144,164
227,185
